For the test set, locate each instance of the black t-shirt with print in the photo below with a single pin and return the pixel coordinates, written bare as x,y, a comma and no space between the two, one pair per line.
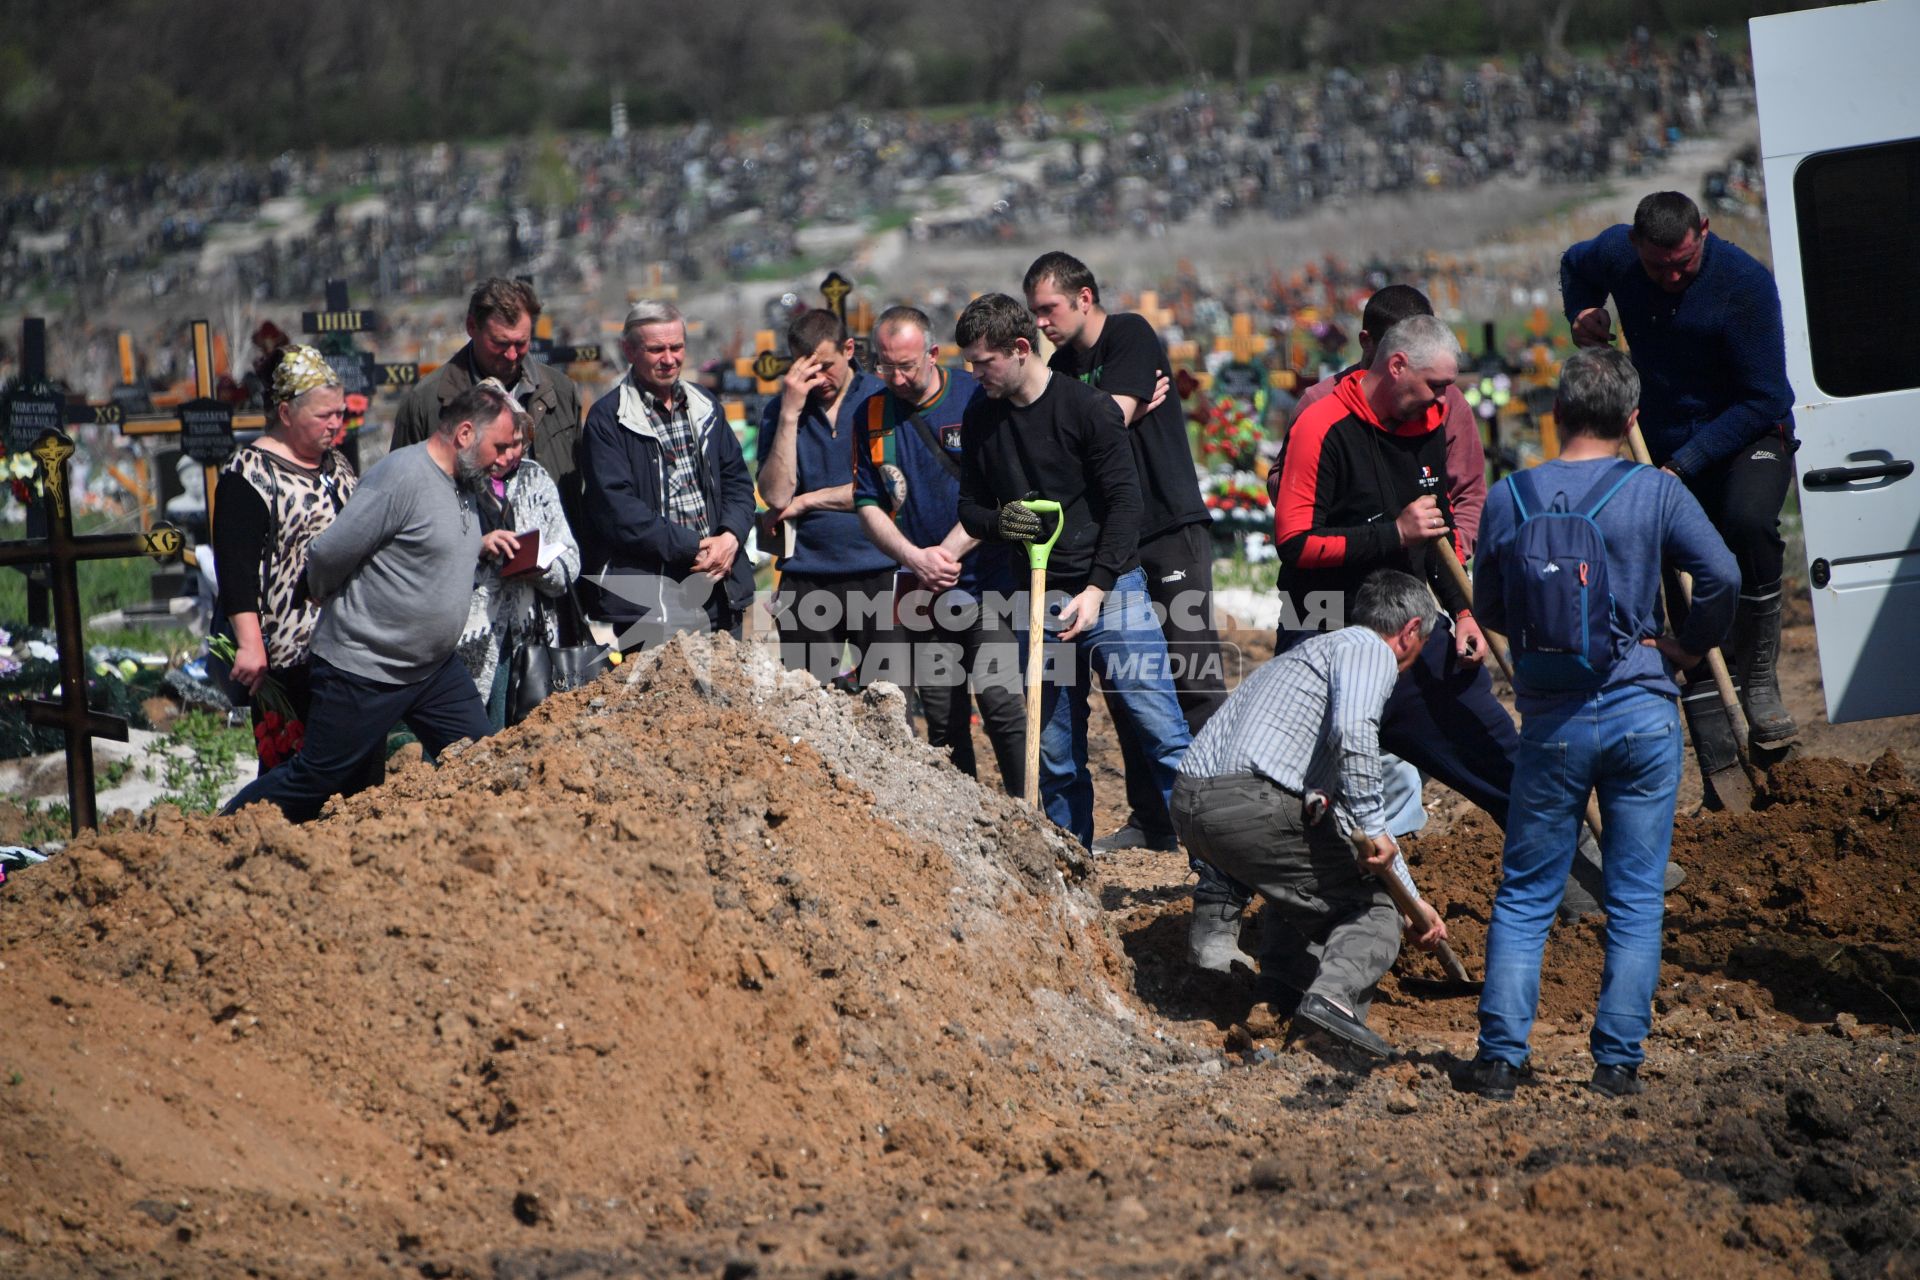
1126,361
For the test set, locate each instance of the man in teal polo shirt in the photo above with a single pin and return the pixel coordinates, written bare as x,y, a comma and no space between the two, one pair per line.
906,491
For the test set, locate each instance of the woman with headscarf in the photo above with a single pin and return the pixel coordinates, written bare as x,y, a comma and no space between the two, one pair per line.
516,496
275,496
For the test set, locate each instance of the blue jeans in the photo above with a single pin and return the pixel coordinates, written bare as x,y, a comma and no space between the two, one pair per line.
1625,744
1128,650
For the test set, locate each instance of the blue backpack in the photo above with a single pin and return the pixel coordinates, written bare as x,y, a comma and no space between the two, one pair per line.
1565,632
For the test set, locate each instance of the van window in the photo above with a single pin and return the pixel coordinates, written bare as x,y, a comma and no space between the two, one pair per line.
1859,213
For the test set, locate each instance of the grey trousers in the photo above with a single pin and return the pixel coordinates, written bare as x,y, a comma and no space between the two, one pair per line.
1328,929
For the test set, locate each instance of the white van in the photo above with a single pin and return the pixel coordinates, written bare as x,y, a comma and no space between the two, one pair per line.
1840,137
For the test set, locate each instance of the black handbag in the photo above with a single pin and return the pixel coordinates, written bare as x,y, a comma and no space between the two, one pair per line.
539,669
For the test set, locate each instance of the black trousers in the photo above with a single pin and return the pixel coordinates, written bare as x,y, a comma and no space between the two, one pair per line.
1742,497
1179,569
348,722
819,616
954,653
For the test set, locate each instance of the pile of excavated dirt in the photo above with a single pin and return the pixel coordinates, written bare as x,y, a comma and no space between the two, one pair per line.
704,928
708,971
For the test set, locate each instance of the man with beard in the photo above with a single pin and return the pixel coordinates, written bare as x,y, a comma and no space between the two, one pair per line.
500,319
394,573
1702,319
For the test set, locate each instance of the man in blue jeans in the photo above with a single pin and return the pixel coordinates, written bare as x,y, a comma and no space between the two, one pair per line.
1037,434
1621,738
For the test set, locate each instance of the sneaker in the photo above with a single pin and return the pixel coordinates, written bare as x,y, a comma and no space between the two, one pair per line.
1617,1081
1133,836
1330,1017
1491,1078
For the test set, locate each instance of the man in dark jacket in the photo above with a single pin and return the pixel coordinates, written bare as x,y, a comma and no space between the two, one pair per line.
1703,321
668,496
500,318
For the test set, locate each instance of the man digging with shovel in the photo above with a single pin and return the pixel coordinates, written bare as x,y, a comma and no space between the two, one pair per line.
1278,778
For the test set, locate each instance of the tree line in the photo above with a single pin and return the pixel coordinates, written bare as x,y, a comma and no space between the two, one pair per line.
128,81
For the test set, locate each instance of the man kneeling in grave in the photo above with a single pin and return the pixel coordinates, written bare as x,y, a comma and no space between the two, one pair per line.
1278,778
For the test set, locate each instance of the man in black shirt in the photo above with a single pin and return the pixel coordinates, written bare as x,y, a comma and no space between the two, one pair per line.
1036,435
1121,355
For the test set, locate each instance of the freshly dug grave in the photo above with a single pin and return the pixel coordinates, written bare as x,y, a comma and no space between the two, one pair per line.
706,971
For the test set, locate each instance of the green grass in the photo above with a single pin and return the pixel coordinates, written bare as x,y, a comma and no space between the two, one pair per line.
105,585
46,822
1238,571
202,757
344,196
806,264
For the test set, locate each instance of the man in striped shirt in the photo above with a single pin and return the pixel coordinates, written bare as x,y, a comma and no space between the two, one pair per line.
1277,778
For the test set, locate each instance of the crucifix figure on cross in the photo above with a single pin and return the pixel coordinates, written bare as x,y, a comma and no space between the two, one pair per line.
61,551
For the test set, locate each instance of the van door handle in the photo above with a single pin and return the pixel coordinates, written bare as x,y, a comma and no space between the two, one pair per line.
1832,477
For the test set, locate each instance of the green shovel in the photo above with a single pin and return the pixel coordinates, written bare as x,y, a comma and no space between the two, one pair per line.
1037,553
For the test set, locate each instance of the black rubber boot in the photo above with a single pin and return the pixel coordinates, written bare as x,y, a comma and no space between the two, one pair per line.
1708,724
1757,624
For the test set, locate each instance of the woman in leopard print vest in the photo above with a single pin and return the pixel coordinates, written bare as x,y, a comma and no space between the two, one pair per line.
274,498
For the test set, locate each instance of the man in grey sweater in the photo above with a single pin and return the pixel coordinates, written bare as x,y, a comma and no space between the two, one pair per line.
395,574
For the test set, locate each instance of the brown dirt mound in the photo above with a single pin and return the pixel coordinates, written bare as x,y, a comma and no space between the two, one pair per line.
673,937
707,971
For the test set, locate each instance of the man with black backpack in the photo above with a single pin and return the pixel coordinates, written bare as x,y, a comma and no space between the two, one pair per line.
1569,568
906,491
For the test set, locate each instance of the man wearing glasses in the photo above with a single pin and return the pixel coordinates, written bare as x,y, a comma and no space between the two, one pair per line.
906,490
1702,320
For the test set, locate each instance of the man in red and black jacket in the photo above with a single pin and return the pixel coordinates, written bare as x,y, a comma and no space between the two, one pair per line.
1363,486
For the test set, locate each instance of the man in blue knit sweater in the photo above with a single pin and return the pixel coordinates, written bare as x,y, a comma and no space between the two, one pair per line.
1621,739
1702,319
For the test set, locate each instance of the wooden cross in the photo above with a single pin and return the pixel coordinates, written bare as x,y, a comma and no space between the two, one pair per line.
1243,344
766,366
61,551
1152,312
835,289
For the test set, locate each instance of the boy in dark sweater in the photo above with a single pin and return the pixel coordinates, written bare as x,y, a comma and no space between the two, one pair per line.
1621,739
1703,321
1038,435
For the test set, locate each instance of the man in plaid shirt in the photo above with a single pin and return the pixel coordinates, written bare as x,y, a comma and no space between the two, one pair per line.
668,494
1281,773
